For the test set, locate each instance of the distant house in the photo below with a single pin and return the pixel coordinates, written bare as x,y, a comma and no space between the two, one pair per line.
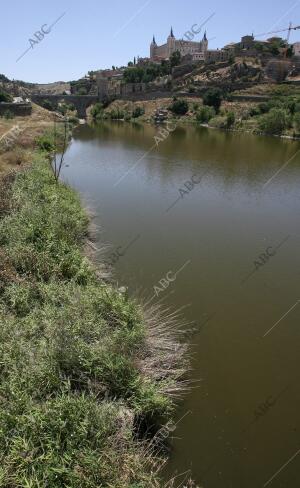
296,47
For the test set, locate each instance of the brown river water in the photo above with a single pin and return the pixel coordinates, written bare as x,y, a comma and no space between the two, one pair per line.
208,222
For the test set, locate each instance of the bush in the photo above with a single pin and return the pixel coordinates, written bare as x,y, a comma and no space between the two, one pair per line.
219,122
254,111
205,114
297,107
274,122
137,112
179,107
45,142
290,105
5,97
97,111
230,119
263,107
63,108
82,91
116,114
213,97
8,114
47,105
175,59
297,121
74,120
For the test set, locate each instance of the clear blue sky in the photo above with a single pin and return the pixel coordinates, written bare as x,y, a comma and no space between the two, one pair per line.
95,34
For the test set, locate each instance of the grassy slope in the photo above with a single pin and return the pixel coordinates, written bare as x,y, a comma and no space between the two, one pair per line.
80,365
30,127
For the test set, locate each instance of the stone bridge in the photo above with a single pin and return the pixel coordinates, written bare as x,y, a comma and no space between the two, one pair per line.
80,102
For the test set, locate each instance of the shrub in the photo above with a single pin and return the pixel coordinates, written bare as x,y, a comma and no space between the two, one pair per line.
263,107
117,114
179,107
229,97
205,114
290,105
5,97
74,120
45,142
230,119
254,111
97,111
175,59
219,122
8,114
275,121
297,121
63,108
47,105
137,112
213,97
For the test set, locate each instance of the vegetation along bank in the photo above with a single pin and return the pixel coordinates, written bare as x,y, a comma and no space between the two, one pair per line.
88,377
270,109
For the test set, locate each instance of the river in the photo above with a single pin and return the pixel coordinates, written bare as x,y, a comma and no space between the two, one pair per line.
207,222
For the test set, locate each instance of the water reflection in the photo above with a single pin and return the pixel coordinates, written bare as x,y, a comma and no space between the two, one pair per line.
220,227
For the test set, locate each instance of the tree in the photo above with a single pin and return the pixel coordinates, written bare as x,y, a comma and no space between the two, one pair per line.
165,67
179,107
133,75
275,122
213,98
97,111
4,79
137,112
175,59
205,114
57,163
4,97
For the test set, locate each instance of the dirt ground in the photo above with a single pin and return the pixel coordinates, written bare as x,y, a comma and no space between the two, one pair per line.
21,133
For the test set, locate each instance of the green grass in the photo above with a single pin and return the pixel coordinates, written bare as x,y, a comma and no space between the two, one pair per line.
83,369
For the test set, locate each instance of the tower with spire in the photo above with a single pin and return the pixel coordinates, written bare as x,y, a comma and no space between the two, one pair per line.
171,43
204,43
153,47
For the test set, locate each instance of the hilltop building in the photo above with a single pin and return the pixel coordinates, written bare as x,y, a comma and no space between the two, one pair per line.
194,48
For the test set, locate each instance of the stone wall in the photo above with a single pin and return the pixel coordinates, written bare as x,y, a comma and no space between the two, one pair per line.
183,69
20,109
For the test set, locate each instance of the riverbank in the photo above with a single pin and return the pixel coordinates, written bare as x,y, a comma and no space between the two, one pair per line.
18,136
276,114
87,371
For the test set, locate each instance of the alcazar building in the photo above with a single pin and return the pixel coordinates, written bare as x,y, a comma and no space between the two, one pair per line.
196,49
